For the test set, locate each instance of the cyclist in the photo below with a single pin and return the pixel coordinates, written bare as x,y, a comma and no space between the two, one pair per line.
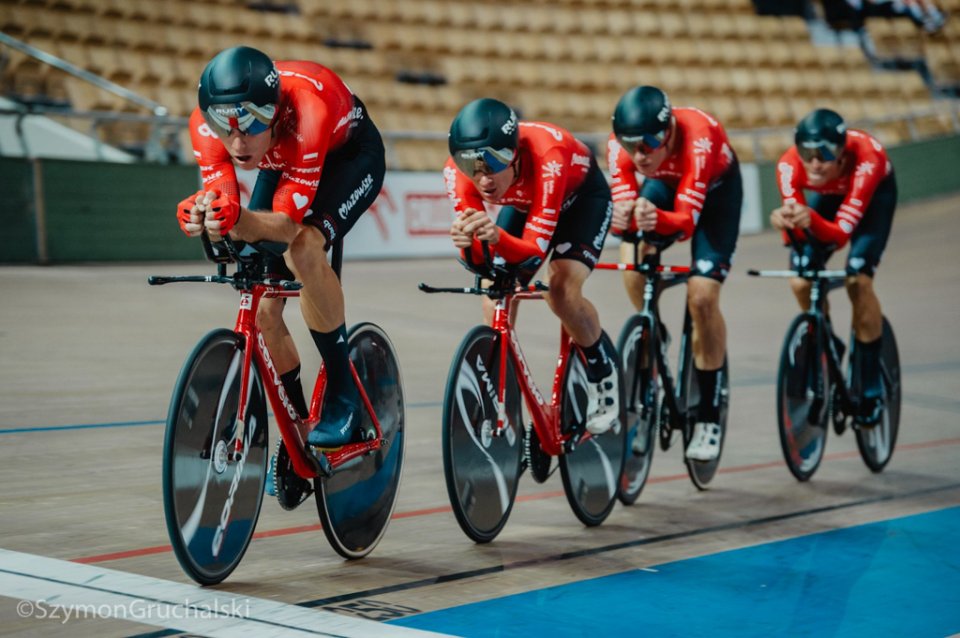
554,199
853,197
321,162
689,182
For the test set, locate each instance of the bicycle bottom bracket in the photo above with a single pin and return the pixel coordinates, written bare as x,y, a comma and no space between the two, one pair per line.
537,460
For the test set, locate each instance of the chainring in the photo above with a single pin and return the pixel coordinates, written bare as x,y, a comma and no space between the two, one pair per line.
536,459
292,490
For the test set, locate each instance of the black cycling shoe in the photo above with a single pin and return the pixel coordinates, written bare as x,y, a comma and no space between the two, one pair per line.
870,410
339,424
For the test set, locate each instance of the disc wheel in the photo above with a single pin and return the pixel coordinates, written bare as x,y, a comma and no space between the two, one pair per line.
212,501
803,397
876,443
641,388
356,503
591,471
481,470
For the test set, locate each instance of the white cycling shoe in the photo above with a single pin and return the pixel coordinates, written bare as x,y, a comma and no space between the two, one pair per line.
705,442
603,404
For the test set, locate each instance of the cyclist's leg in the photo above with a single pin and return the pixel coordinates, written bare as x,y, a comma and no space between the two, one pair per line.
576,247
866,248
350,183
712,245
270,321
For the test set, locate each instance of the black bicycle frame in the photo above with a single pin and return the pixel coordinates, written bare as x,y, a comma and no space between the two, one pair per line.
656,280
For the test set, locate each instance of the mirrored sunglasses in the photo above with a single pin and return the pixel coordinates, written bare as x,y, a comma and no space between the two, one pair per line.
821,150
246,117
485,159
646,143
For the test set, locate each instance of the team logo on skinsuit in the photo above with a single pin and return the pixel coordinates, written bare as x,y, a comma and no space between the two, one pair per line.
363,189
786,179
331,231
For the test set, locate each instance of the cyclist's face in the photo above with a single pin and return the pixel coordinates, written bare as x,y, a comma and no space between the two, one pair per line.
649,163
493,186
247,150
820,172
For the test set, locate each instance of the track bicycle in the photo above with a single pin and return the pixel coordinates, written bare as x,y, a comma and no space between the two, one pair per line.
657,404
812,388
216,453
486,445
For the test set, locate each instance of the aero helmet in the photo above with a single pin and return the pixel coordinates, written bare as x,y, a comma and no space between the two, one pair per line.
484,137
821,134
642,118
239,89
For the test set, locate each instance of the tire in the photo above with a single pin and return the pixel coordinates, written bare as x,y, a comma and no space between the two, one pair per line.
701,473
201,486
592,471
802,417
876,444
356,503
641,389
481,471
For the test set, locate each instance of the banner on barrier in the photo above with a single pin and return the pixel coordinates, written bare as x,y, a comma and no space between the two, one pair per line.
412,216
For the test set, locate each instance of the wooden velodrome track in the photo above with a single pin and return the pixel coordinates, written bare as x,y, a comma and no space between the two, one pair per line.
89,354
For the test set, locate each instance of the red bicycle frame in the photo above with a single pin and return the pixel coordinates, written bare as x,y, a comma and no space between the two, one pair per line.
293,430
546,416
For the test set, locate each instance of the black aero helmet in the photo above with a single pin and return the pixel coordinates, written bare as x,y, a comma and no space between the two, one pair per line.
820,134
239,89
484,137
641,119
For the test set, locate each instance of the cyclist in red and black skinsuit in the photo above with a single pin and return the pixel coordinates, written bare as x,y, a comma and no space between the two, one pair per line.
673,171
555,199
853,195
321,162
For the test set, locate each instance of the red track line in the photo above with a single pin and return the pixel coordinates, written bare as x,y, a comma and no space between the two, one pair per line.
287,531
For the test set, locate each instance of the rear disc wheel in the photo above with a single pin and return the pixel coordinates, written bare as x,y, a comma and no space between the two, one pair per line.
356,503
592,471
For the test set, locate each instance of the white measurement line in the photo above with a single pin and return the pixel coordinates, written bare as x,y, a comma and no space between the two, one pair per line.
57,591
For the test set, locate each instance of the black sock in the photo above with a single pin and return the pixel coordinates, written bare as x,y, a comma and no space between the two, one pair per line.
868,355
336,360
710,383
599,362
294,389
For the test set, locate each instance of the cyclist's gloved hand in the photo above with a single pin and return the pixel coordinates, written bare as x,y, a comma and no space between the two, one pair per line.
224,210
188,215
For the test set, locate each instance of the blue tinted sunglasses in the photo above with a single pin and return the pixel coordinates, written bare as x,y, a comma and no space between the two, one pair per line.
820,149
646,143
485,159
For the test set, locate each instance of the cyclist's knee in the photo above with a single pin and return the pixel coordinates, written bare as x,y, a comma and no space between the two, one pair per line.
306,251
564,290
801,290
859,287
270,315
703,297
